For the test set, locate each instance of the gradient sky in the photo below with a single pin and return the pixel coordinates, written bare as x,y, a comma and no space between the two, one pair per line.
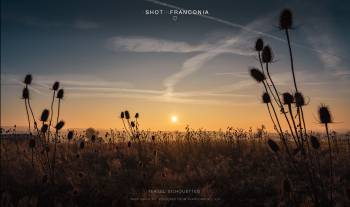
110,57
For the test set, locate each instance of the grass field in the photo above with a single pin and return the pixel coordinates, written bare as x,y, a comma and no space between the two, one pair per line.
193,168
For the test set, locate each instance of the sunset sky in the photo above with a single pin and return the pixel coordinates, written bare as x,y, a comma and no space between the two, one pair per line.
111,56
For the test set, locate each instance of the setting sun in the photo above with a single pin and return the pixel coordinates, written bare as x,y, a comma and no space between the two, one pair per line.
173,119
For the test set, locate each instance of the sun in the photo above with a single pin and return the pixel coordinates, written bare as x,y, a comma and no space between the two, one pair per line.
173,119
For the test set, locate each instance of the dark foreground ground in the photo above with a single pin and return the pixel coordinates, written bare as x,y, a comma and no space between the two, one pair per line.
168,170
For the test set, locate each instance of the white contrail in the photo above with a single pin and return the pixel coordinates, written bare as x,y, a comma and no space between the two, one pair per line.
216,19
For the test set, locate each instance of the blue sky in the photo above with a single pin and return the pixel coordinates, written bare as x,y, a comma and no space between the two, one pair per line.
113,52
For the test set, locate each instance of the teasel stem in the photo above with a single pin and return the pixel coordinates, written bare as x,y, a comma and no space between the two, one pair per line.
280,102
330,161
293,121
291,60
31,111
294,80
58,110
279,126
51,116
126,129
29,128
268,86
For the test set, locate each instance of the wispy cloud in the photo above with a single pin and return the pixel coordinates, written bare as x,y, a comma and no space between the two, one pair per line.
236,45
145,44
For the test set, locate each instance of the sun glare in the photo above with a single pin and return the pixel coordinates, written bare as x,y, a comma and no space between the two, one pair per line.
173,119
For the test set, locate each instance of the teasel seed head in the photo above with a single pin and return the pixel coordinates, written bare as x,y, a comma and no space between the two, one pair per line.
59,125
299,99
60,94
132,124
153,138
266,98
267,55
325,115
288,99
137,115
32,143
28,79
286,19
127,115
314,142
122,115
44,128
273,145
45,115
25,93
259,45
55,86
70,135
257,75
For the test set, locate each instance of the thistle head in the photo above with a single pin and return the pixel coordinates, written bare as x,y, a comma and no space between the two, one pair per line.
324,114
59,125
267,55
44,115
257,75
314,142
122,115
288,99
28,79
132,124
25,93
259,45
55,86
299,99
60,94
286,19
137,115
127,115
273,145
266,98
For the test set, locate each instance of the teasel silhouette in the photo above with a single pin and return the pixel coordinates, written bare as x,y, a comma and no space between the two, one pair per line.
267,58
259,46
288,100
326,118
70,135
54,88
124,115
44,127
59,96
28,81
286,24
25,96
58,127
260,78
